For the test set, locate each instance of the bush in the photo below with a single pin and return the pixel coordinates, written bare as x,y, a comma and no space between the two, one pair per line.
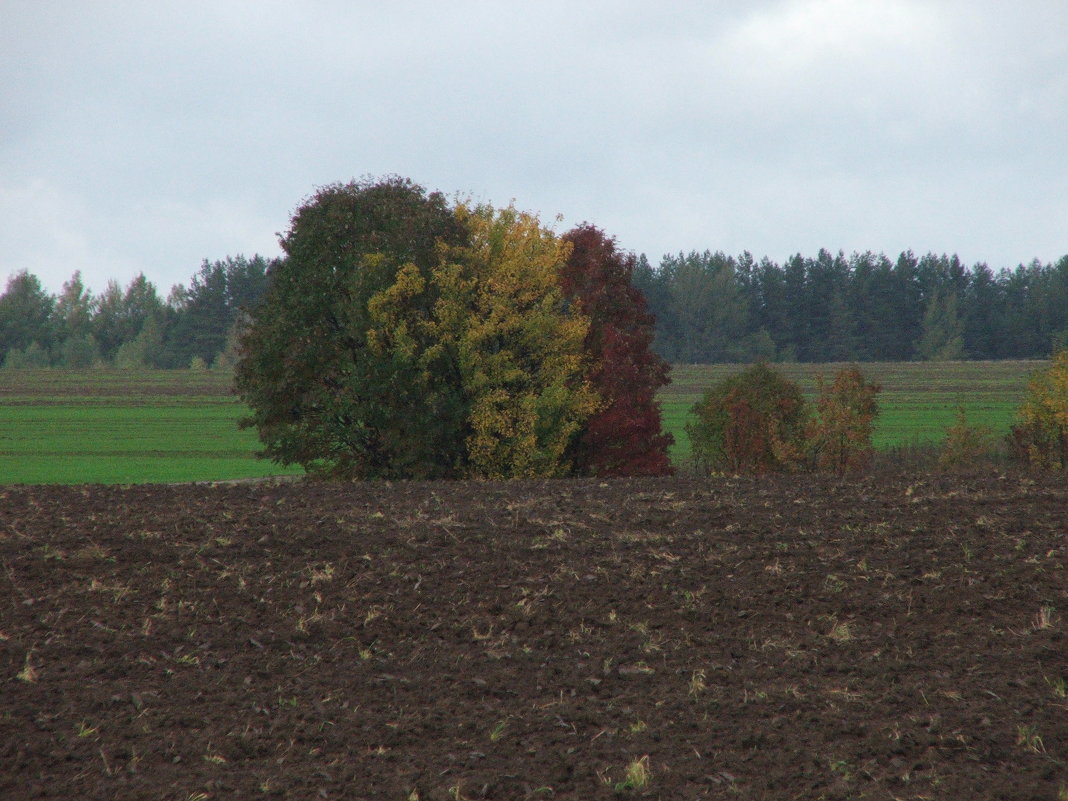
1041,437
839,437
753,422
965,445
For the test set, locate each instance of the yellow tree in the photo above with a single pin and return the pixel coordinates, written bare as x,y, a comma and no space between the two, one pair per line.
1042,436
501,319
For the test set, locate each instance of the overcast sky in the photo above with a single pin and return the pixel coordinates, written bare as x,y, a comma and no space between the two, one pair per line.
148,136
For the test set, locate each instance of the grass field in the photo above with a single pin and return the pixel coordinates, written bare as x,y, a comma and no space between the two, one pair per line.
119,427
918,402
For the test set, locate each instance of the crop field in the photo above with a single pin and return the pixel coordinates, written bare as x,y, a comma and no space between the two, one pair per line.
790,637
114,426
918,402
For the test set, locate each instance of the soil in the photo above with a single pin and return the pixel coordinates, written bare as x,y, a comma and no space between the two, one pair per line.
791,637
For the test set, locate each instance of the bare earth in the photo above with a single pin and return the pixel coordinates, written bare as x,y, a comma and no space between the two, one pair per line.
776,638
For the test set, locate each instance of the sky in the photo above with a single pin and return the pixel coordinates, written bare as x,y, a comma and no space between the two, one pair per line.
146,137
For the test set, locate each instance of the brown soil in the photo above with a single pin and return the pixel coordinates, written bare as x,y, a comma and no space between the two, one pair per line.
781,638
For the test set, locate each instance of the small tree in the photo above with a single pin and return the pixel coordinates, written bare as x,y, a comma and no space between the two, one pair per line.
751,423
1041,437
942,332
966,444
839,436
26,318
79,350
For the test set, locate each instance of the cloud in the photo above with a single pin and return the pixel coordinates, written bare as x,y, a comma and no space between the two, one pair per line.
149,137
46,227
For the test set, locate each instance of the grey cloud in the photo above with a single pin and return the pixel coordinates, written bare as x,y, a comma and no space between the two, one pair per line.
148,137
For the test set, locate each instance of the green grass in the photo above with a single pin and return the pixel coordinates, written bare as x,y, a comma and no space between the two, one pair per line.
918,402
119,427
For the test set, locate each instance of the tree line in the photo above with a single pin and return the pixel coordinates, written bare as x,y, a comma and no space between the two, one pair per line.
712,308
131,327
709,308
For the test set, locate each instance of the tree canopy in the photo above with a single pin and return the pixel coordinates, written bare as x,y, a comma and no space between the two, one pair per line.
624,437
325,391
712,307
400,337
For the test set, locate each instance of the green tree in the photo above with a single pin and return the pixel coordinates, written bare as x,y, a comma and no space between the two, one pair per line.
26,316
942,333
120,316
73,308
144,349
73,318
324,392
202,316
32,356
78,351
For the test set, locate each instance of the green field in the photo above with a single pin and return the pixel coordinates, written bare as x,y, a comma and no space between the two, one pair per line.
918,402
119,427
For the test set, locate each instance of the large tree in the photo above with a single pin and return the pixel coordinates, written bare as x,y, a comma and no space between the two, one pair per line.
401,338
502,337
323,394
624,437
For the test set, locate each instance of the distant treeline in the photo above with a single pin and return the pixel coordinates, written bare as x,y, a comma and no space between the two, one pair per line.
131,327
712,308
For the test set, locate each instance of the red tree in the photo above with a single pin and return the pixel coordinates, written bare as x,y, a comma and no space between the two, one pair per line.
625,437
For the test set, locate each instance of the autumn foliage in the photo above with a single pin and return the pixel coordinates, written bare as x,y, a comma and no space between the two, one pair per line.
751,423
402,338
1041,436
624,437
839,436
520,352
757,422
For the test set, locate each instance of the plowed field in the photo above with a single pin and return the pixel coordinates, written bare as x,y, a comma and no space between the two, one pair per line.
778,638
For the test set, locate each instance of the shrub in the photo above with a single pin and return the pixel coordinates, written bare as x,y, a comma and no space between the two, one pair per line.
751,423
839,436
1041,437
965,444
